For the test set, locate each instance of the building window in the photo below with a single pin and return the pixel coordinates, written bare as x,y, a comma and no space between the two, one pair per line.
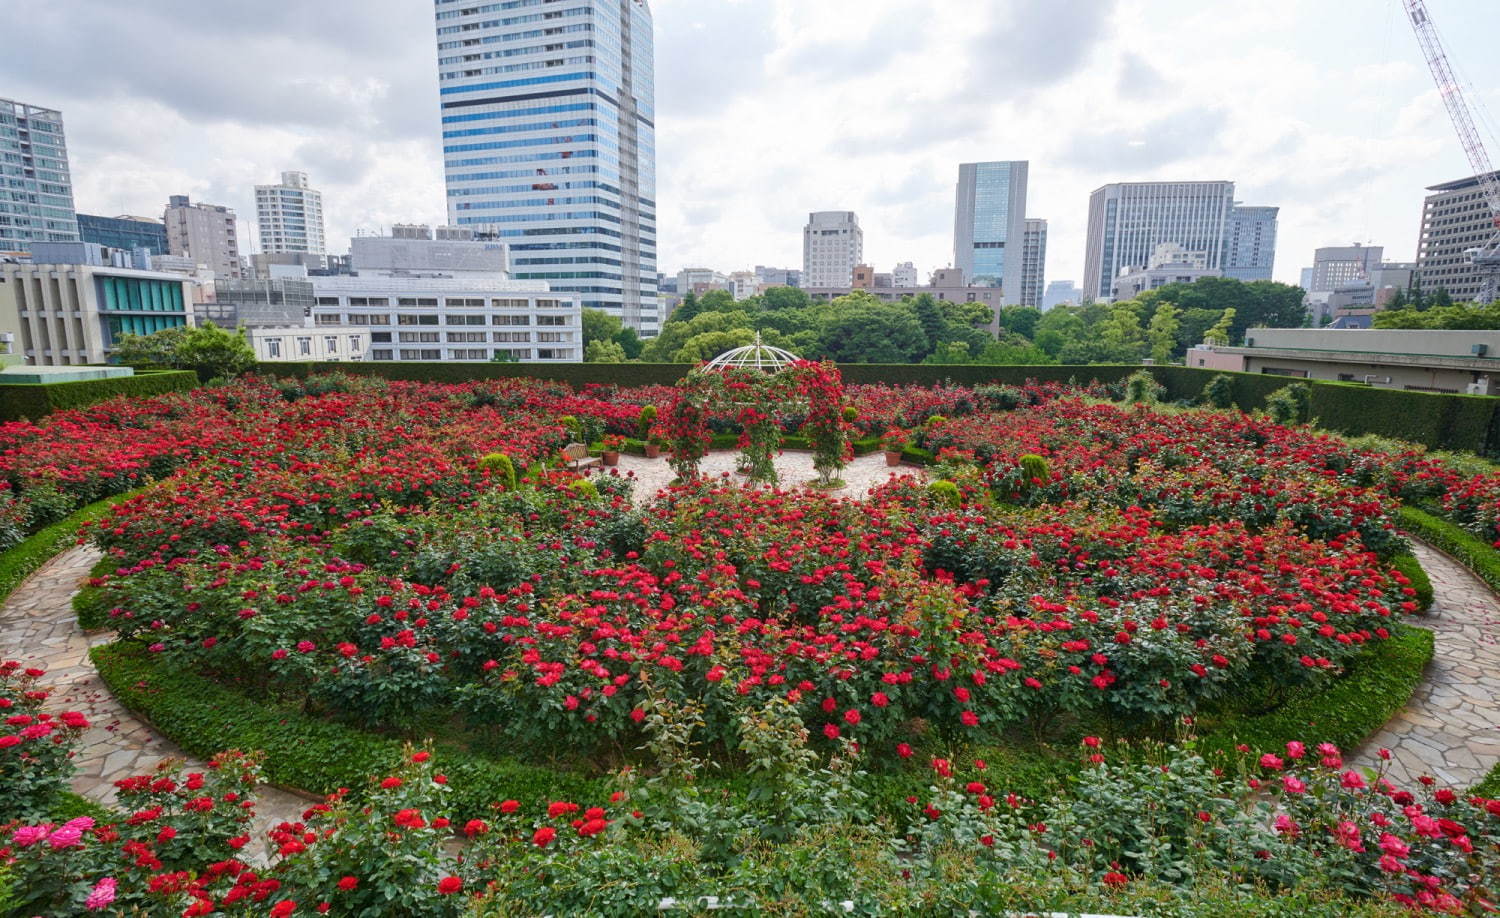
329,319
465,303
380,337
423,354
381,355
405,319
331,344
417,301
304,347
420,337
356,343
273,348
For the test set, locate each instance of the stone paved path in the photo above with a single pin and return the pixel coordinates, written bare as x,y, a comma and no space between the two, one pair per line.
38,627
794,468
1451,728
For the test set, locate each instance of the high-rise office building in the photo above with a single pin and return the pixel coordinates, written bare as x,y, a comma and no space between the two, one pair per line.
1250,243
1033,267
124,232
290,216
990,224
36,186
206,233
549,143
1127,221
1455,219
832,245
1336,266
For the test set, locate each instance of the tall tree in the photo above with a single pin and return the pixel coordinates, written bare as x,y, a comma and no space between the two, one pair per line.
1220,333
931,319
1161,335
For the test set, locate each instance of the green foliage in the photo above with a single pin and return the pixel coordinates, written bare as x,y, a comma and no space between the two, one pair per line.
1219,392
206,349
500,467
1376,686
1222,331
1412,570
305,752
1462,316
1474,553
36,401
1141,388
604,352
1288,406
946,493
1161,335
1035,468
20,561
584,489
647,418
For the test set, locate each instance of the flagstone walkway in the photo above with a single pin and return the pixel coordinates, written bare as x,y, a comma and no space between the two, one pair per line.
794,467
38,628
1451,727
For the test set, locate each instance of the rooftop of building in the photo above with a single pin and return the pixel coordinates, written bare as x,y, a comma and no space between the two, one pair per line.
1463,183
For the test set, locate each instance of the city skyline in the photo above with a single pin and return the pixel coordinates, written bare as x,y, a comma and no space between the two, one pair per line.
351,101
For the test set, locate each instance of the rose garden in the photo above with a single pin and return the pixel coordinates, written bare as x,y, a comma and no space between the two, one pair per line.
1072,649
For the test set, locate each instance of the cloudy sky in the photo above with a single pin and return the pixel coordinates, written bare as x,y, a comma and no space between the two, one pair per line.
768,109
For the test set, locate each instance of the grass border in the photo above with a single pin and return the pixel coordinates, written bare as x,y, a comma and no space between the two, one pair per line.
26,558
1467,549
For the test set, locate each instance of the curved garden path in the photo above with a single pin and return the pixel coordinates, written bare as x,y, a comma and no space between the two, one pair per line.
39,628
795,467
1451,727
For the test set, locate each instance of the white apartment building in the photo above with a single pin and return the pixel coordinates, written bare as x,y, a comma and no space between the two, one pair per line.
290,216
283,343
744,284
832,245
906,275
429,319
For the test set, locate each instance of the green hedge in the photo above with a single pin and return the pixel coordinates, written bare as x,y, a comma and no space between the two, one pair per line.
36,401
576,374
21,560
1345,713
1453,422
1411,568
1469,550
308,753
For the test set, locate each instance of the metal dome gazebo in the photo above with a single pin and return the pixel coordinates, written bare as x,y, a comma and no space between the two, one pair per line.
757,356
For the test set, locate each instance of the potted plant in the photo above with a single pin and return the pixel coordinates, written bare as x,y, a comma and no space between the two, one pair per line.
655,439
894,442
612,444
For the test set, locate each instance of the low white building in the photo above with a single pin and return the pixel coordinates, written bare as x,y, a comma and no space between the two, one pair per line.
281,344
1419,360
466,319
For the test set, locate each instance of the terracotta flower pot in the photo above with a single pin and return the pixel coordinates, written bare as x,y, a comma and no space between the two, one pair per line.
653,451
611,458
892,458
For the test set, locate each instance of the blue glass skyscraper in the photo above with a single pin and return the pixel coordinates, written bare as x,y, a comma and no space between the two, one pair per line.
990,226
549,142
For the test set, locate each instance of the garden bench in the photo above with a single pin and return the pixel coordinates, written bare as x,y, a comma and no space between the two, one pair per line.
578,458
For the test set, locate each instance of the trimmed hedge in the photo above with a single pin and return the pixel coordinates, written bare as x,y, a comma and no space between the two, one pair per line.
36,401
1469,550
1411,568
576,374
1452,422
307,753
1345,713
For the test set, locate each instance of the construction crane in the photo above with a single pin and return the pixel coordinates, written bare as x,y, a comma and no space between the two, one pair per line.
1486,258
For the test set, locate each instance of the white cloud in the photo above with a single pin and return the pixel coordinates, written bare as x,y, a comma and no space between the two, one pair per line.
768,109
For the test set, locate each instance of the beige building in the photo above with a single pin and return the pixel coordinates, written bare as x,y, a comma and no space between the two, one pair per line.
1455,218
206,233
1418,360
70,315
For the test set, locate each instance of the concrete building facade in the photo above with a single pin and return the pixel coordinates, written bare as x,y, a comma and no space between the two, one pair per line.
466,319
1061,293
206,233
36,183
281,344
906,275
416,252
1418,360
1127,221
832,245
989,230
778,277
1455,218
254,302
124,232
549,143
69,315
1033,267
290,217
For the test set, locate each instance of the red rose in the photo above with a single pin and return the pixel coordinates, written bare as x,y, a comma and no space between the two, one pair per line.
449,885
544,836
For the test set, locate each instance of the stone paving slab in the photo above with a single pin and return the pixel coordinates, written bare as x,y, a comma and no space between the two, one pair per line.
794,467
1450,729
38,628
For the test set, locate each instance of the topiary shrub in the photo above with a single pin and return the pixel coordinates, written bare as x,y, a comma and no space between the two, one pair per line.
501,468
1035,469
851,414
1219,392
643,425
1141,388
1288,406
946,493
584,489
